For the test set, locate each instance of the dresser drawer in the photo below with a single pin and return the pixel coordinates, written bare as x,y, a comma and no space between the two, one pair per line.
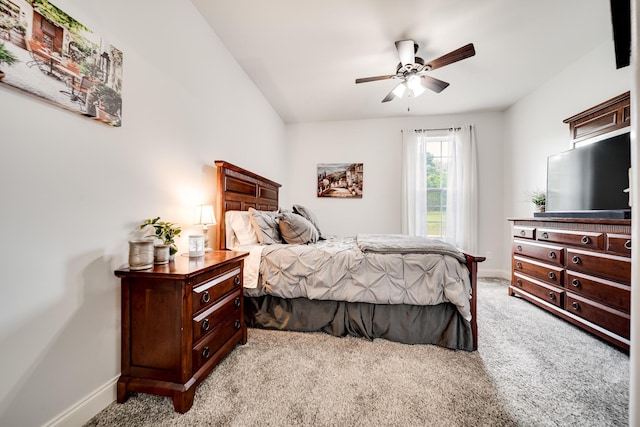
609,293
548,293
549,273
606,317
524,232
619,243
543,252
206,321
584,239
222,333
207,293
612,266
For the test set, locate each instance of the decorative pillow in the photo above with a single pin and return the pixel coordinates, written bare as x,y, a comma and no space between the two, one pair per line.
239,222
265,225
296,229
306,213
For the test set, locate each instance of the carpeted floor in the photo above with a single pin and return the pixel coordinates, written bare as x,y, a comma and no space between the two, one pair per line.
531,369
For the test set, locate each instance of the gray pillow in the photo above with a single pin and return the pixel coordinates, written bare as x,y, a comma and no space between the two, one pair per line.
296,229
310,216
265,225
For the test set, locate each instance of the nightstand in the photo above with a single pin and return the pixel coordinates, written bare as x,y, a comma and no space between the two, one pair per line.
179,321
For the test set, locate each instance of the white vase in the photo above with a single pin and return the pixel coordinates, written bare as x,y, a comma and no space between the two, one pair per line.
140,254
161,254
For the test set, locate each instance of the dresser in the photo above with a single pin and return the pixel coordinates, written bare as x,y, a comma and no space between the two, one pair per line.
179,321
578,269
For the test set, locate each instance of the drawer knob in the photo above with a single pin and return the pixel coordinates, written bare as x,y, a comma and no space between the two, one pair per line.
206,352
205,297
552,296
552,275
585,240
575,305
236,280
575,282
545,235
206,325
237,324
575,260
519,247
236,302
523,233
627,244
519,282
552,255
519,264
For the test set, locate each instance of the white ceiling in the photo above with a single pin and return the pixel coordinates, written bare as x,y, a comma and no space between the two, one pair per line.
305,55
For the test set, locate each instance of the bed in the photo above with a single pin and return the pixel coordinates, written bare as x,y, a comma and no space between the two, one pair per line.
298,287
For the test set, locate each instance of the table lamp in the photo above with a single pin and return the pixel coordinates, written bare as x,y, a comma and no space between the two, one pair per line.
204,217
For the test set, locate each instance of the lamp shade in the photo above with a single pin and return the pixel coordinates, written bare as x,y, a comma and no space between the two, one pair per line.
204,215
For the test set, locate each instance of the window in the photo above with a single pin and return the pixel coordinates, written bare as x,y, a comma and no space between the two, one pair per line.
436,184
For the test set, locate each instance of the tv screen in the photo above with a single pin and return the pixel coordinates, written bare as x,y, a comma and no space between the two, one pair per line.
590,177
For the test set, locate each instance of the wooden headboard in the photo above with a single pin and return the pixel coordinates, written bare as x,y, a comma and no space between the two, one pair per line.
238,189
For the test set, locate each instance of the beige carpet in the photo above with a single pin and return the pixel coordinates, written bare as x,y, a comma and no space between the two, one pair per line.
532,369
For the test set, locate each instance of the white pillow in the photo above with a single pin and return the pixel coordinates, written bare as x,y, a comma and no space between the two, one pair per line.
238,221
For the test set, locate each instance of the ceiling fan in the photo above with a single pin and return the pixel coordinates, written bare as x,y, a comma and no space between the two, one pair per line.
412,70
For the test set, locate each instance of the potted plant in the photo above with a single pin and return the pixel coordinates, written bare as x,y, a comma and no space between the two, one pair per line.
165,231
6,57
539,199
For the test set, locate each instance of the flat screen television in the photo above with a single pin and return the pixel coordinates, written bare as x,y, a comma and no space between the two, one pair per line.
590,180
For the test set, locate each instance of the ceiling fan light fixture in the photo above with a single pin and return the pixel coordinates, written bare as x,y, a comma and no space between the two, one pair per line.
414,83
399,90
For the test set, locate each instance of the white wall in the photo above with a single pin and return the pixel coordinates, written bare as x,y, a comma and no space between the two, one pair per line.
377,144
73,190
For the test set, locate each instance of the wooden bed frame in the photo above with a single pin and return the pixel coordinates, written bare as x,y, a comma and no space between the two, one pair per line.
239,190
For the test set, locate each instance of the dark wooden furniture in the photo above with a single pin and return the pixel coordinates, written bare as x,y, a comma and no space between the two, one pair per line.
606,117
240,189
179,321
578,269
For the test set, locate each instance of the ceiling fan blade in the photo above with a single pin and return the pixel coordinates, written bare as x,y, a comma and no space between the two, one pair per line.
373,79
433,84
457,55
406,51
392,95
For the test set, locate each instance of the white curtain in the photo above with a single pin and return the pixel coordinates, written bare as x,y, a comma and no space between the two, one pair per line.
462,190
462,183
414,185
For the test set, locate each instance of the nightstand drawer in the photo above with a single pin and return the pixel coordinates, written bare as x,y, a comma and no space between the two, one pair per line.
585,239
206,321
543,252
610,319
548,273
620,243
548,293
524,232
207,293
213,342
614,266
610,293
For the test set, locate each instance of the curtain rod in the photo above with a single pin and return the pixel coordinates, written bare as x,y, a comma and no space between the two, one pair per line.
431,130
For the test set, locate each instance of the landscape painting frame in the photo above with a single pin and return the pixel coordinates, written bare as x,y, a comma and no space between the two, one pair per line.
340,180
46,53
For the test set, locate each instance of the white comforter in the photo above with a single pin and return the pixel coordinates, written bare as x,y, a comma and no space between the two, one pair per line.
336,269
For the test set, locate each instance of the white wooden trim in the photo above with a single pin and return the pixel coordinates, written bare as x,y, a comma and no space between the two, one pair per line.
86,408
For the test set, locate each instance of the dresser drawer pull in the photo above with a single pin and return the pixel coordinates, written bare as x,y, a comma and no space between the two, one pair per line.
545,235
523,233
205,298
519,247
552,275
575,283
575,305
518,264
206,352
552,296
236,280
552,255
206,325
519,282
627,244
236,302
585,240
575,260
237,324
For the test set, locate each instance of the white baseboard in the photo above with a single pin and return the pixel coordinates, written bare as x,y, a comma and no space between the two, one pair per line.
82,411
494,273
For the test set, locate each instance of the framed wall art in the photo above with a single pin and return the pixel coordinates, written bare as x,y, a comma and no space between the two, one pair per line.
341,180
46,53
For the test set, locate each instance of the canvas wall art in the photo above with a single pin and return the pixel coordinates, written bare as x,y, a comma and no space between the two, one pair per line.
342,180
46,53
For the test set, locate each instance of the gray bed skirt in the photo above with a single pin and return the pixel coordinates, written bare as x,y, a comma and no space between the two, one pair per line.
411,324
